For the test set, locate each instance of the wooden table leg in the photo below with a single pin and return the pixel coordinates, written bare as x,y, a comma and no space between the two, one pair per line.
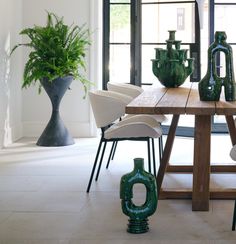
167,151
201,164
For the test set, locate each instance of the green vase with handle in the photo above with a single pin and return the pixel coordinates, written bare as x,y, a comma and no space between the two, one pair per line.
138,222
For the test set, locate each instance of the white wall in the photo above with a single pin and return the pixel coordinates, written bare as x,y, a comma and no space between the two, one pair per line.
10,72
75,111
26,108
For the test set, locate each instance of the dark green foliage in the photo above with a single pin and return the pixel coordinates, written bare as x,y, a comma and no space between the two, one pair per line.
57,50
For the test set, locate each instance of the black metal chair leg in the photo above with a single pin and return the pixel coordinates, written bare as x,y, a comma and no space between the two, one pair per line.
162,146
149,156
154,157
160,139
94,166
114,150
234,217
100,163
111,152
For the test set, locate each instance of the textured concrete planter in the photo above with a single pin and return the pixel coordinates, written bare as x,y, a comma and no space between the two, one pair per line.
56,134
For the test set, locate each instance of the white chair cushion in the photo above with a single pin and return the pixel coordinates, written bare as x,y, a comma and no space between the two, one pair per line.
160,118
132,130
140,118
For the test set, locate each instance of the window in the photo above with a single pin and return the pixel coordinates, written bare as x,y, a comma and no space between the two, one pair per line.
133,28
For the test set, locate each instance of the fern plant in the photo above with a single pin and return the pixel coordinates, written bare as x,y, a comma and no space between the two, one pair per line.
57,50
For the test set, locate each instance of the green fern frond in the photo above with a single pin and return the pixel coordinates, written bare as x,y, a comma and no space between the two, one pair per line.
57,50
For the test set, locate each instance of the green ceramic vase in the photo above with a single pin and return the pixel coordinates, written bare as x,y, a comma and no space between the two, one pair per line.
138,222
210,86
169,66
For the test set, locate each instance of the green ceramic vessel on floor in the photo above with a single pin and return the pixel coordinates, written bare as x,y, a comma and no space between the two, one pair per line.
138,222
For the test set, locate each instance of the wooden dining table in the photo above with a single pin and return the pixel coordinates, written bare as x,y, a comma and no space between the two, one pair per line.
185,101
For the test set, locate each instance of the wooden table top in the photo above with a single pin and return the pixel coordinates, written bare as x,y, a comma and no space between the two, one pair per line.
181,100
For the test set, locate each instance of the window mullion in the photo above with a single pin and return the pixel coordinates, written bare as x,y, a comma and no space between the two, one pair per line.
135,46
106,43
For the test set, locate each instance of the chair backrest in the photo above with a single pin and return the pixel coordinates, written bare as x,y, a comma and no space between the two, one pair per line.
123,88
107,106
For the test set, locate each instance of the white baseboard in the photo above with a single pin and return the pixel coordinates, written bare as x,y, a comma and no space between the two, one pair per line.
16,132
9,135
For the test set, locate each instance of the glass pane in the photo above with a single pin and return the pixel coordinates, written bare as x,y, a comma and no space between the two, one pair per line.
223,61
225,1
155,23
120,1
234,57
224,18
222,65
219,119
120,63
159,1
120,23
186,120
204,38
148,53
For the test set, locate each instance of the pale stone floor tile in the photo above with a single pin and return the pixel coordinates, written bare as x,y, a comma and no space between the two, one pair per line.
220,206
163,226
37,226
68,183
43,198
136,241
19,183
224,241
174,207
19,241
4,215
193,226
43,201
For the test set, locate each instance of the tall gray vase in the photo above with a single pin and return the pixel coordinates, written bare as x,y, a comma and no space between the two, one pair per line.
56,134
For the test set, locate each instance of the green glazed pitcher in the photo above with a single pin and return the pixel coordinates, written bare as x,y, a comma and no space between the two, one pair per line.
138,222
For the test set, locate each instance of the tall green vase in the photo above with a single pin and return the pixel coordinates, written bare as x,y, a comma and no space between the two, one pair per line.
138,222
171,65
210,86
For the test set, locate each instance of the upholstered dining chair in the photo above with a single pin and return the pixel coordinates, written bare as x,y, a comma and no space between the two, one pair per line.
233,156
133,91
124,88
108,107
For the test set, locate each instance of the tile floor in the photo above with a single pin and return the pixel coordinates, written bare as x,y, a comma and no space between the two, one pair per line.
43,198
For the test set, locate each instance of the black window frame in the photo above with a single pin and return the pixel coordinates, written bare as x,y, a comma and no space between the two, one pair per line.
136,42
